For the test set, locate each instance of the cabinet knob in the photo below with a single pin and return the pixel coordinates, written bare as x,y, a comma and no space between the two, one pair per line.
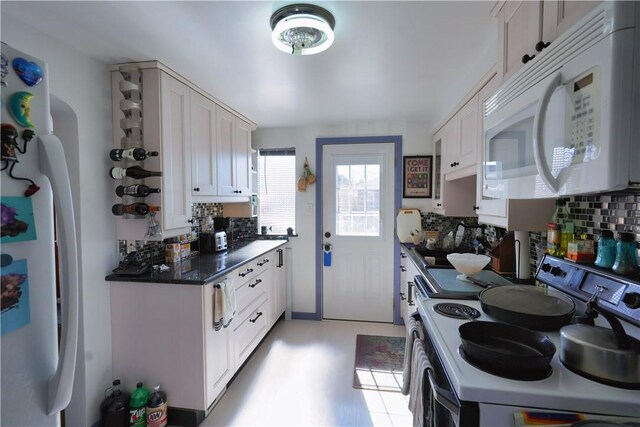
196,189
526,58
541,45
438,204
475,208
190,221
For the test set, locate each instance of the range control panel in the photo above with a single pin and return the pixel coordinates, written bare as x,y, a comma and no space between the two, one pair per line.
616,294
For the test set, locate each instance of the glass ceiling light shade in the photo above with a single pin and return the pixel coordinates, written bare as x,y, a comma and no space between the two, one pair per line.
302,29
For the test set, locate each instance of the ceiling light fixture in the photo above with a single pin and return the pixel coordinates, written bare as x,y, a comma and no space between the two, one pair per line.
302,29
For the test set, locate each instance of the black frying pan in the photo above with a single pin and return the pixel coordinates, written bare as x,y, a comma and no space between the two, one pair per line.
507,349
528,306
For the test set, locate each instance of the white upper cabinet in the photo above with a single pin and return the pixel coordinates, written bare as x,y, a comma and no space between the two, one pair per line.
204,170
225,125
526,27
176,153
242,157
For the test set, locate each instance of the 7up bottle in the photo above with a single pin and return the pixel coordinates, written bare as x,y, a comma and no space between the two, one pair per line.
137,407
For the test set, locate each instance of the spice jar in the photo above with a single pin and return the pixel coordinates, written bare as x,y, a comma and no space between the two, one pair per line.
626,262
606,250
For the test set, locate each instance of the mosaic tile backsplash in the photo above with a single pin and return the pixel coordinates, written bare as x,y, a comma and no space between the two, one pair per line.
203,213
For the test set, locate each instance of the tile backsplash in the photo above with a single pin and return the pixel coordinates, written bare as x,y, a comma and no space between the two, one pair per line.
202,213
617,211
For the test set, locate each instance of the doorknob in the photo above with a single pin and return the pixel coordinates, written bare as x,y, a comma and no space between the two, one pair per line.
327,247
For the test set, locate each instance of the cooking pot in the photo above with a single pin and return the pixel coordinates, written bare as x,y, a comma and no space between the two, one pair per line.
528,306
605,355
507,349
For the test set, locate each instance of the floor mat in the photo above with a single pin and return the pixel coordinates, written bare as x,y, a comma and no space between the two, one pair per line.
378,364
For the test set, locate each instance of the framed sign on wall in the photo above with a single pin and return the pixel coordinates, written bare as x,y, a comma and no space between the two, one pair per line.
417,177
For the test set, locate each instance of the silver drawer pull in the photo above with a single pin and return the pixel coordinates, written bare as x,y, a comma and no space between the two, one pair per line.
249,270
258,315
253,285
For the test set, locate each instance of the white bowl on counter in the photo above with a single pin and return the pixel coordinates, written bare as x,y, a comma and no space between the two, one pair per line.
468,264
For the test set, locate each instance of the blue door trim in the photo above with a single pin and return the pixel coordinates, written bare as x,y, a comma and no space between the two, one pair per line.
320,143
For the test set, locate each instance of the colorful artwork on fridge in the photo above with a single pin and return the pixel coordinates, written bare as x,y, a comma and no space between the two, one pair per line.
14,299
17,224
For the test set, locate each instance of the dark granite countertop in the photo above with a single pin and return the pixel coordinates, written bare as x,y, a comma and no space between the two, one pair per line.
204,268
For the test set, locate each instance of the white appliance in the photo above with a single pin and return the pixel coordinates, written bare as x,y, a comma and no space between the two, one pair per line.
37,378
567,123
469,396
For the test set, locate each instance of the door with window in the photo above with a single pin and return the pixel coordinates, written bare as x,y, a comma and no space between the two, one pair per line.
358,191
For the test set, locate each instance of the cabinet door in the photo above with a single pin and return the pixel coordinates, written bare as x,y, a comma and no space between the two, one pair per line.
203,146
176,153
519,29
450,145
403,285
242,157
437,170
560,15
218,356
469,136
225,127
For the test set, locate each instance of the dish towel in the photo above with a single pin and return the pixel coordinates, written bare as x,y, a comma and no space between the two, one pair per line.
224,304
419,391
412,329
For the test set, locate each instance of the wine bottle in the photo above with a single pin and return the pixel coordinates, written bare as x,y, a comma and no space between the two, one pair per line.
133,209
131,153
137,190
135,172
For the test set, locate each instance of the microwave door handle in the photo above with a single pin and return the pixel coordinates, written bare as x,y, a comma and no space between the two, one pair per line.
538,138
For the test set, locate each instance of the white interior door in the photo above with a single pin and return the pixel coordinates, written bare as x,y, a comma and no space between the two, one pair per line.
357,219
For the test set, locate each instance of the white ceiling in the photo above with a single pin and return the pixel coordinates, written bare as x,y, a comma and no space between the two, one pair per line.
390,60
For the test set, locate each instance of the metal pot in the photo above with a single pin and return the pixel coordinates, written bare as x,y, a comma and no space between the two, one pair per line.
528,306
605,355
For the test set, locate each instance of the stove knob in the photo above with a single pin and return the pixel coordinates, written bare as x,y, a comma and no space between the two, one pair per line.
546,267
632,300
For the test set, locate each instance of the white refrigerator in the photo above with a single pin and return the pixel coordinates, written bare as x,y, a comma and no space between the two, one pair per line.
37,371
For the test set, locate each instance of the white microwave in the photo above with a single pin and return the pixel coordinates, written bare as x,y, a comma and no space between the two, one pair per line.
569,121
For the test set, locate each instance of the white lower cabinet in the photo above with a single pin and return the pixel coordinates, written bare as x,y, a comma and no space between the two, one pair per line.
163,333
219,362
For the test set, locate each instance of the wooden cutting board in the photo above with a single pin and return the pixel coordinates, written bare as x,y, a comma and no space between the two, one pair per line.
408,221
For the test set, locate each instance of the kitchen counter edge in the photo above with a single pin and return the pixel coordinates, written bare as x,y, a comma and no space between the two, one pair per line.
205,267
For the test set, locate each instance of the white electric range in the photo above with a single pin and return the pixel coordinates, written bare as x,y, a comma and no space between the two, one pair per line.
469,396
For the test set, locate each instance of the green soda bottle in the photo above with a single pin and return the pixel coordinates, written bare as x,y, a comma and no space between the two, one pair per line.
137,406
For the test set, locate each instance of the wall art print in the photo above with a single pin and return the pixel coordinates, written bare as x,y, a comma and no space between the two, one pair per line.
17,224
416,176
15,312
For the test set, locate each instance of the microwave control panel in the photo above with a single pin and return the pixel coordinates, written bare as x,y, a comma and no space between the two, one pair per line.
583,117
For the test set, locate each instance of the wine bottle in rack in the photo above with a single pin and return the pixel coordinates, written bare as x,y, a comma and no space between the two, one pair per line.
133,209
137,190
135,172
131,153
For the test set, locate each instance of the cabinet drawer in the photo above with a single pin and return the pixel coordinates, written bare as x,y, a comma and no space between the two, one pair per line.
249,331
251,269
249,291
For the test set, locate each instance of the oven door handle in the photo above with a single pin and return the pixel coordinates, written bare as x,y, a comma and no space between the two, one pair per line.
442,396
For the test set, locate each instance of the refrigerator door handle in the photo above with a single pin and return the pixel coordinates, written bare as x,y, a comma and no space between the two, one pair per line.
54,166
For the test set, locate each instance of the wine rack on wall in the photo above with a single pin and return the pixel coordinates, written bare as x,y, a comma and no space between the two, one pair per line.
133,221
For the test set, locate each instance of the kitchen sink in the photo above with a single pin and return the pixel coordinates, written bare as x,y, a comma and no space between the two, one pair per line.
433,257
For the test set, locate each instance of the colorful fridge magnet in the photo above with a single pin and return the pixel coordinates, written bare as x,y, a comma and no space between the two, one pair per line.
9,156
20,108
29,72
14,297
17,223
4,69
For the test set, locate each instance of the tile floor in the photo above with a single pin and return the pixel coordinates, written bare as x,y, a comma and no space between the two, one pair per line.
301,375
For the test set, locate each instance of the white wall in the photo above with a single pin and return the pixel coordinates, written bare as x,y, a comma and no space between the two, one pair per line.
416,140
84,85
